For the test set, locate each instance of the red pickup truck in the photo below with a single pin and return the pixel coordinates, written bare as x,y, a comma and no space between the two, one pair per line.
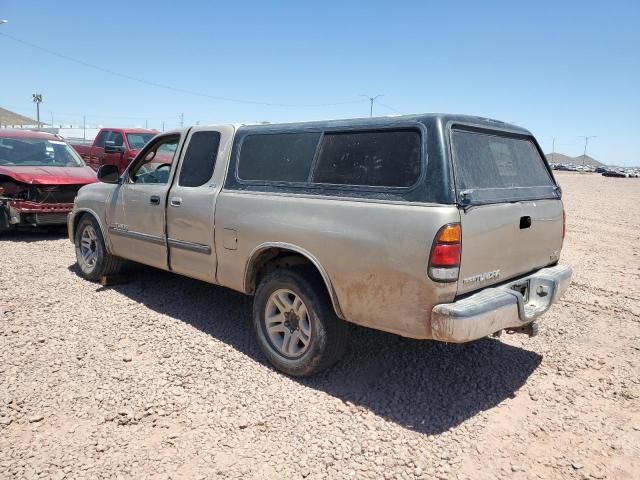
115,146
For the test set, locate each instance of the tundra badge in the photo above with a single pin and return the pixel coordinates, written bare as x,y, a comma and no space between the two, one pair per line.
482,277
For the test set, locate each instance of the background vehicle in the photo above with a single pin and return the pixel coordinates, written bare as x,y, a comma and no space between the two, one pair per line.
39,178
114,146
343,220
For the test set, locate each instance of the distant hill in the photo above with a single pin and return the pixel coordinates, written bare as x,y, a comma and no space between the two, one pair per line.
9,118
565,159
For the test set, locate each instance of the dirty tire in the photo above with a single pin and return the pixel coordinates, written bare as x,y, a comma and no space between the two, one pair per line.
328,338
105,264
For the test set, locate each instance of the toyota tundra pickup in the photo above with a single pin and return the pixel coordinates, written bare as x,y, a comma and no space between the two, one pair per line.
114,146
441,227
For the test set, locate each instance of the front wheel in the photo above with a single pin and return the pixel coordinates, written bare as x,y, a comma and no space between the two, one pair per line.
295,324
91,254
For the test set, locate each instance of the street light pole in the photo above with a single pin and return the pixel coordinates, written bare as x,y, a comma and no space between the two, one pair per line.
37,99
586,142
371,100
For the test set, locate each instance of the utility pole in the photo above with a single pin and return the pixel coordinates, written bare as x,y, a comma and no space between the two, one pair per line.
586,142
371,100
51,119
181,120
163,125
146,124
84,129
553,150
37,99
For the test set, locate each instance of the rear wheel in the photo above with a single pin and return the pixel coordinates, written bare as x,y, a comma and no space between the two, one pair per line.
92,256
295,324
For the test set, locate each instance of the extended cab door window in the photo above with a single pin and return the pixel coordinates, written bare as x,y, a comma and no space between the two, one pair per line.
200,159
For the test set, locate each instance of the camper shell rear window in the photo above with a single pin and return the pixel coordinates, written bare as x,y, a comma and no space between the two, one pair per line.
493,166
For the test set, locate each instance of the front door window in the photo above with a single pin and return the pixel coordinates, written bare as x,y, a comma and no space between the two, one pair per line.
155,164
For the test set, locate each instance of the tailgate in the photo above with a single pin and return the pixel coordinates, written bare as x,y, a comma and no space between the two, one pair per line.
497,244
511,212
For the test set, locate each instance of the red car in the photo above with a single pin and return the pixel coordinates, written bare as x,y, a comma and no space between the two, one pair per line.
40,175
114,146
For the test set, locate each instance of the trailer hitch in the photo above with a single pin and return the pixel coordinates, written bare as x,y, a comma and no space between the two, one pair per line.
531,330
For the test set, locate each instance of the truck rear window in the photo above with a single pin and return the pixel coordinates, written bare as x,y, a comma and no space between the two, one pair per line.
505,168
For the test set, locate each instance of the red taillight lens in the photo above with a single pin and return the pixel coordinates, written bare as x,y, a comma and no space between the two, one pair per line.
444,261
445,255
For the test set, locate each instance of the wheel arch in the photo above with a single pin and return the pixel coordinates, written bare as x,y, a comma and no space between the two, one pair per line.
265,253
86,211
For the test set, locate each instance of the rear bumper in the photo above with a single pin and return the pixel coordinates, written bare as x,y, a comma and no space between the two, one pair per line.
496,308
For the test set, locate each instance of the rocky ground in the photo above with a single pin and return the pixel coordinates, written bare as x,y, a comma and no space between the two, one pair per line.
161,377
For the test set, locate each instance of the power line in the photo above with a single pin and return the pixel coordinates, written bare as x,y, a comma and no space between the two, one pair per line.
389,108
91,115
169,87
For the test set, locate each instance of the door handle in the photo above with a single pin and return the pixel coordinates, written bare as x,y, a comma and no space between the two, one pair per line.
176,201
154,200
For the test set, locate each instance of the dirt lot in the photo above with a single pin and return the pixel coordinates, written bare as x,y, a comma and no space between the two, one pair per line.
161,377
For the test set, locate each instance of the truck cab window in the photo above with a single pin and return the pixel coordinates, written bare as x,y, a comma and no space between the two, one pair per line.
155,165
200,159
102,136
116,138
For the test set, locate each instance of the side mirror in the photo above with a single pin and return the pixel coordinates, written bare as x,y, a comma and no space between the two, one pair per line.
110,147
108,174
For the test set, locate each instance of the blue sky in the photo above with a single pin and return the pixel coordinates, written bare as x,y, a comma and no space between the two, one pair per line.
561,69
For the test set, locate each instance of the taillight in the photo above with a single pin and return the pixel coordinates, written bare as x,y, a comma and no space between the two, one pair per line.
444,261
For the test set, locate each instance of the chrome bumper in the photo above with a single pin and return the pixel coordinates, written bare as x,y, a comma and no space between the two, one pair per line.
496,308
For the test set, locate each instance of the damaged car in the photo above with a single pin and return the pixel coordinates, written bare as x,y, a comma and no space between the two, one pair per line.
40,175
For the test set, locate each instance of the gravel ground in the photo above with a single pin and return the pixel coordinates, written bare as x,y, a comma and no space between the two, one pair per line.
161,377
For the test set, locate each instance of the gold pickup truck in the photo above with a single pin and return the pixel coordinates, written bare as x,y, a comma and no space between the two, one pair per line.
442,227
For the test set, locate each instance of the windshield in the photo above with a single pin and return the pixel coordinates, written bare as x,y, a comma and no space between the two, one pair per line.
138,140
37,152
